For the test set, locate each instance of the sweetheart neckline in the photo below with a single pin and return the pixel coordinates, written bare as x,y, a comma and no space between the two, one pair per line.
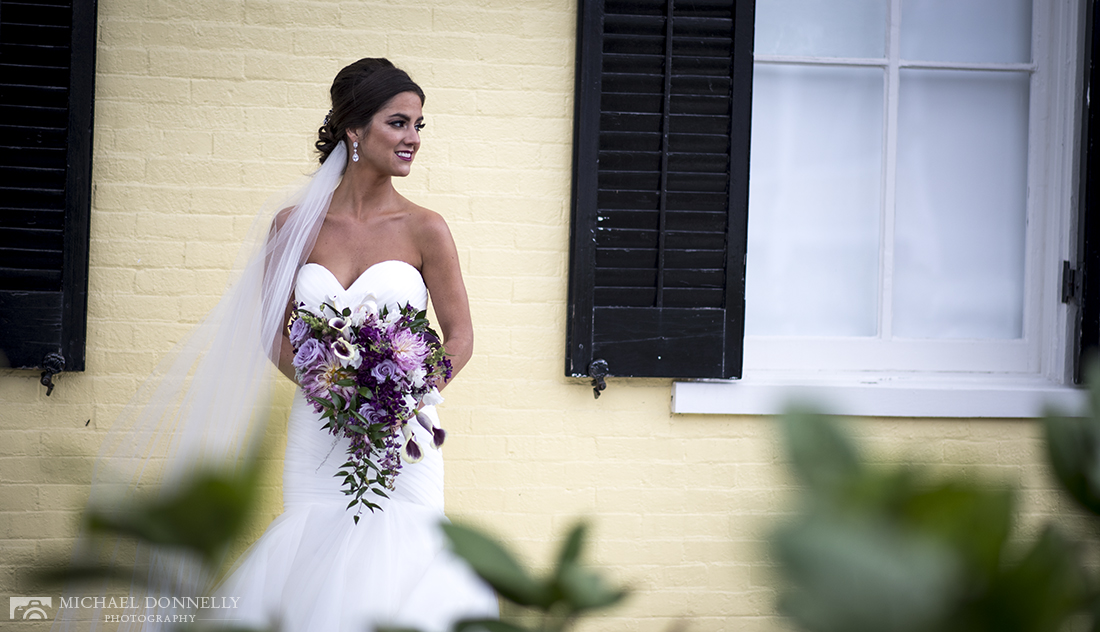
364,272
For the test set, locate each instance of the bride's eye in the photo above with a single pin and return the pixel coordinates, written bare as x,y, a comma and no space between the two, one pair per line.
420,126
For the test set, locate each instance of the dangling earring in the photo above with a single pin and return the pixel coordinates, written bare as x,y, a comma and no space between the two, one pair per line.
355,151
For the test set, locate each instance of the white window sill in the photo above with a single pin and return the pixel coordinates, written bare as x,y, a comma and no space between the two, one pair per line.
966,396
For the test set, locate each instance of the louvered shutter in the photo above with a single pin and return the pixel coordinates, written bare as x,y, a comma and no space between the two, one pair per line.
660,187
47,66
1083,284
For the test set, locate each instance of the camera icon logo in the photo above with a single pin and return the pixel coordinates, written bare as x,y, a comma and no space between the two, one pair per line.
30,608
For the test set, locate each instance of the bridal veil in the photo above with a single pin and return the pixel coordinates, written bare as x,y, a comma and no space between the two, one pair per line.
205,402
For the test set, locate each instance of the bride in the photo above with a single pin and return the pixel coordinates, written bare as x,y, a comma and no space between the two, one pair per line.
315,568
345,237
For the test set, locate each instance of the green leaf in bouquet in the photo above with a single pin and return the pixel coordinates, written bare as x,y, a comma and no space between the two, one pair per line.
365,392
823,457
337,401
497,566
379,492
347,382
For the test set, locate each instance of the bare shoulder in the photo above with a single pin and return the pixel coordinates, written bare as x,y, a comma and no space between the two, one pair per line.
429,228
282,216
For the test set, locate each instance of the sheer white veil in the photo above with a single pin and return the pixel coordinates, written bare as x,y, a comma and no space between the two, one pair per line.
206,402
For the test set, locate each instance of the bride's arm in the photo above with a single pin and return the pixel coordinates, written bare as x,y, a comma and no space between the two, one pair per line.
286,350
444,280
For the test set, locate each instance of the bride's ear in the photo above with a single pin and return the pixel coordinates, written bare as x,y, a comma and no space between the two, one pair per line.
354,135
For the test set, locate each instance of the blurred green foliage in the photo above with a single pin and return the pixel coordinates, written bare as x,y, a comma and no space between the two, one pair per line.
893,550
203,516
208,511
568,591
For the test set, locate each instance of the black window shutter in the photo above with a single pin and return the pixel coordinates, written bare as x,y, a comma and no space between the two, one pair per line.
660,187
47,72
1085,286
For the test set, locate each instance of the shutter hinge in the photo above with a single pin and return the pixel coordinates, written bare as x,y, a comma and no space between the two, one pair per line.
54,363
1070,283
598,369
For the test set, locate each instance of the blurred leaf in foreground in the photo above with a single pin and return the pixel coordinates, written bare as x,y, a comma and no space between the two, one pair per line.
566,592
875,550
1073,446
204,515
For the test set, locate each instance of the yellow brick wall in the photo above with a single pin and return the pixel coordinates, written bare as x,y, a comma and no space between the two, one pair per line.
204,107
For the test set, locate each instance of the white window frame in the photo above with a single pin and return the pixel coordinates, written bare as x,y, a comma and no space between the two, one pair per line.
1001,379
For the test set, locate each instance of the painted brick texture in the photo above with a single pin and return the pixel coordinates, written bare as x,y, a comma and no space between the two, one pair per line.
206,107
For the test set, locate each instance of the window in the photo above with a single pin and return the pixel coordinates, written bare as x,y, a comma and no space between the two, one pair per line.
910,208
888,190
911,205
47,70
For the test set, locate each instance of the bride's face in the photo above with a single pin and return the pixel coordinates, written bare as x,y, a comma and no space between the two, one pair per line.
389,143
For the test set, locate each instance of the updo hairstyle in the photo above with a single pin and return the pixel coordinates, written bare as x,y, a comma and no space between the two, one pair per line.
358,92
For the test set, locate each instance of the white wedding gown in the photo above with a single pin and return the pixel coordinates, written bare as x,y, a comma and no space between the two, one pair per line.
315,569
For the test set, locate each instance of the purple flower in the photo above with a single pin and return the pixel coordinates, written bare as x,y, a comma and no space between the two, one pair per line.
298,332
311,354
347,353
318,371
384,370
371,414
409,350
410,452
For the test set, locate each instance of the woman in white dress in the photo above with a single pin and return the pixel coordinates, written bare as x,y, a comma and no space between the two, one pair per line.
345,235
315,568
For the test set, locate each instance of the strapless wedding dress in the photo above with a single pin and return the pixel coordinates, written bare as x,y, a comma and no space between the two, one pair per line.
315,569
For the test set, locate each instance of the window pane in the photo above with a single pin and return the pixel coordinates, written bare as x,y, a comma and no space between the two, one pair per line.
961,189
814,199
966,30
832,28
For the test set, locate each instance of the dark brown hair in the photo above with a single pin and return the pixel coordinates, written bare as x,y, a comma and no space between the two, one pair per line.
358,92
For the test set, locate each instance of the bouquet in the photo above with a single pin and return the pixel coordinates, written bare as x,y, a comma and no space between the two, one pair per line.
367,371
